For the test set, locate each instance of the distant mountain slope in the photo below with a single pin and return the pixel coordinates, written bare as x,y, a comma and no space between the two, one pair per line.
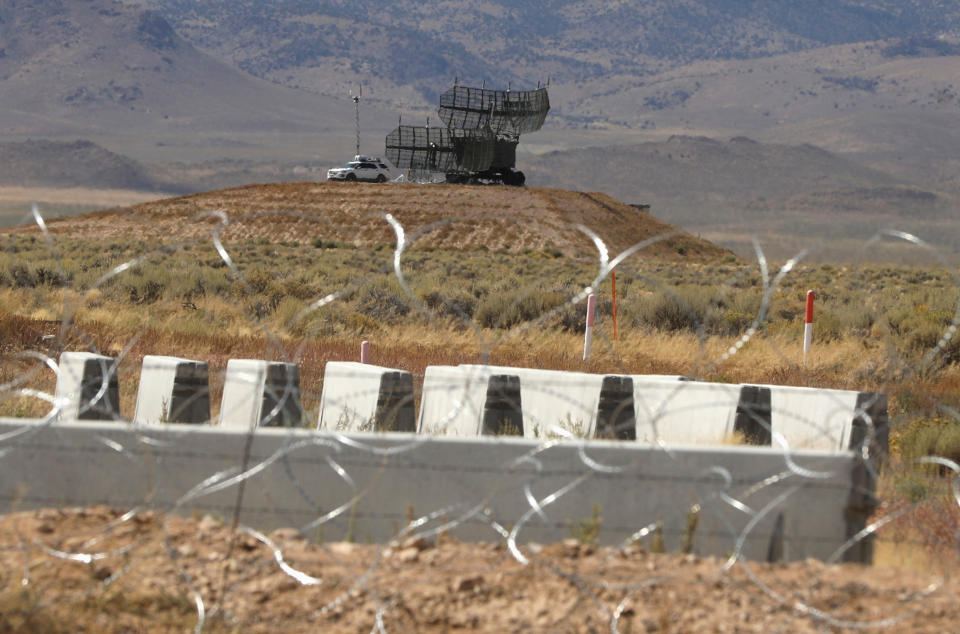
407,43
871,79
746,187
98,66
70,164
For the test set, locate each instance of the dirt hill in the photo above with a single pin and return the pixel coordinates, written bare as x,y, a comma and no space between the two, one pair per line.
447,216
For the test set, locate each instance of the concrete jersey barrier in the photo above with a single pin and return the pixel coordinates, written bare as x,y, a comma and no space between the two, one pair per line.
688,412
486,487
172,390
364,397
468,401
87,387
260,394
827,420
555,404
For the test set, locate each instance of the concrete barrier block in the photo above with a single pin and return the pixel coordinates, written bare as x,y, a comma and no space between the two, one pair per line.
364,397
827,420
616,414
172,390
503,407
555,404
685,412
754,422
260,394
469,401
88,387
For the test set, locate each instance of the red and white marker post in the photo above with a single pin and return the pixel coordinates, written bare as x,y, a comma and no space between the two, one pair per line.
808,327
588,335
365,352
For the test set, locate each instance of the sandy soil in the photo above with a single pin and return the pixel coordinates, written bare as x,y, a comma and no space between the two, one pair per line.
96,570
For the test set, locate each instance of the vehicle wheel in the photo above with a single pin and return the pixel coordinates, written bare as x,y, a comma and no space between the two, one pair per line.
381,178
351,177
519,179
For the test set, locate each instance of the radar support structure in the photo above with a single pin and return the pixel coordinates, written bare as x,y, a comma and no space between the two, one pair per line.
479,141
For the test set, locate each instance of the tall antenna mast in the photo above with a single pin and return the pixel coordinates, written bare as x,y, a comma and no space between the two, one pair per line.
356,103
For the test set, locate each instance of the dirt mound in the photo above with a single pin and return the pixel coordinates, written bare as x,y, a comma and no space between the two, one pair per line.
96,570
432,216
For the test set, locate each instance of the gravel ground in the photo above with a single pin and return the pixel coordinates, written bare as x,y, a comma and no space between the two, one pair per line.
97,570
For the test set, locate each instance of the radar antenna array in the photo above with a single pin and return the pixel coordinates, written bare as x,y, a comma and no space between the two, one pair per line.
503,111
479,142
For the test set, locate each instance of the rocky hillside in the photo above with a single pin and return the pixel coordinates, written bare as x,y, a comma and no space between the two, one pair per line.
423,45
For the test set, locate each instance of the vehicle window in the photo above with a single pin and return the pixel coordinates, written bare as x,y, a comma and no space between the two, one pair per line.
352,165
369,166
384,167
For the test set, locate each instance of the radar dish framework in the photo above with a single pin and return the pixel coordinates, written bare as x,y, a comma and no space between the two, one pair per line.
479,142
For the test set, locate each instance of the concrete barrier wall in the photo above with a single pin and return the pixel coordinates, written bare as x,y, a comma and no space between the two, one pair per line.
555,404
477,488
260,394
473,400
87,387
694,412
826,420
454,401
172,390
364,397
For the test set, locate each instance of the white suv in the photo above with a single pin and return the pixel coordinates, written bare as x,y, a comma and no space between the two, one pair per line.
361,168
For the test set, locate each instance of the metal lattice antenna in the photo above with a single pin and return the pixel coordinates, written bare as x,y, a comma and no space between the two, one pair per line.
356,103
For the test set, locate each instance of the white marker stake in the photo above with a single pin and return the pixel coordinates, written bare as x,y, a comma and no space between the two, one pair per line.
808,327
588,336
365,352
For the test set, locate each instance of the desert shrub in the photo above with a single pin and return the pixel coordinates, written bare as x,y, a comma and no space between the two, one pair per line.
384,301
456,304
298,287
929,437
286,311
925,338
572,318
327,321
49,276
684,309
22,276
259,280
147,293
507,309
360,324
